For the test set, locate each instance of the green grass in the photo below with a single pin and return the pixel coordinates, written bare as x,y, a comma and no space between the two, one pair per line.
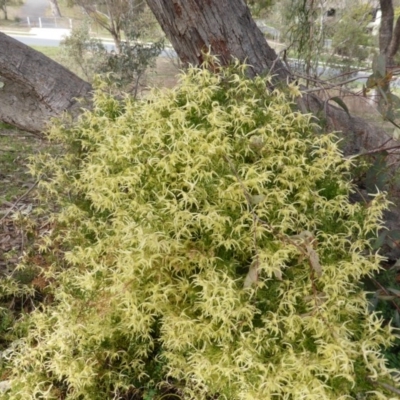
15,148
49,51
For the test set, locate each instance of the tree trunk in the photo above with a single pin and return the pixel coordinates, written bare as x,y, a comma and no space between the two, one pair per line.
389,39
36,88
386,28
4,9
224,26
55,10
394,44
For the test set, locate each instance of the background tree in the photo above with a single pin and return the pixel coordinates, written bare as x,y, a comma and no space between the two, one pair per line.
352,43
5,3
115,16
55,9
389,32
259,7
305,33
125,69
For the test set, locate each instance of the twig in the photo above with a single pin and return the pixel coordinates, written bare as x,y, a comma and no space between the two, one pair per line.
18,200
384,385
385,292
389,387
374,151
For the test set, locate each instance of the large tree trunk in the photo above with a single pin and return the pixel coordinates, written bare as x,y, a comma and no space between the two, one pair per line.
224,26
36,88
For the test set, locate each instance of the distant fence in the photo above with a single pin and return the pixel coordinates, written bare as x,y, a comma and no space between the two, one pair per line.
47,22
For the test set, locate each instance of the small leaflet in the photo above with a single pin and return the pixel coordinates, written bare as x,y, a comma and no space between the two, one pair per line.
314,260
305,240
252,276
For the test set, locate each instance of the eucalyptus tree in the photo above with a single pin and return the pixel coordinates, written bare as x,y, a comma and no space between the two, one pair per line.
6,3
115,16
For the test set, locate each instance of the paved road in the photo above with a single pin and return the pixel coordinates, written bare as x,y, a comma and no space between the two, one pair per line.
34,8
46,40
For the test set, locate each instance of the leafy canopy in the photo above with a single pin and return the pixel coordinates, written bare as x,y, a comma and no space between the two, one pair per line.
209,248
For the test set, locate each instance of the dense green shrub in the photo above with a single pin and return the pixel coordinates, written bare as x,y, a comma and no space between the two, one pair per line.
209,248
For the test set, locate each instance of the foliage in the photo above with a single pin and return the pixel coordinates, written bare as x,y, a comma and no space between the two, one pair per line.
130,65
124,69
388,103
83,54
319,40
351,38
208,245
259,7
118,17
305,33
6,3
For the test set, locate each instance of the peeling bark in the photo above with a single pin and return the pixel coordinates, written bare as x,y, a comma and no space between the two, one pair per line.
36,88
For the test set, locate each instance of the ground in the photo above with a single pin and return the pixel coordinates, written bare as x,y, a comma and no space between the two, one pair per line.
17,191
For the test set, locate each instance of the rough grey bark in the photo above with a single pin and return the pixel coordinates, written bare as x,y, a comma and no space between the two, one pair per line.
225,26
55,10
36,88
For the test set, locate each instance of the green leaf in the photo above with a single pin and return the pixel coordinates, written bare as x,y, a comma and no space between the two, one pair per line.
379,65
394,234
394,238
341,103
396,318
256,199
380,240
386,297
394,291
371,81
396,133
377,175
373,302
394,100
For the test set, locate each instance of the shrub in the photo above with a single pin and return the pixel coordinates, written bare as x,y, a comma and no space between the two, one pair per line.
88,57
209,249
